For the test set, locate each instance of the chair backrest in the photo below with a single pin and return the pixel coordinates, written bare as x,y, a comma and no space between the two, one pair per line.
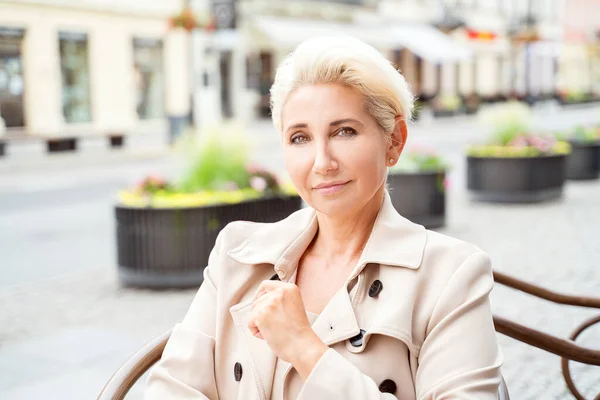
503,391
129,373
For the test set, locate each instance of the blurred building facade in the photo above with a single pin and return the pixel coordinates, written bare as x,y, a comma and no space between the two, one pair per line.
90,66
580,55
490,50
97,66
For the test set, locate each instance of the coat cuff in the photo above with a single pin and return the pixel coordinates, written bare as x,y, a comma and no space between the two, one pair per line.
323,384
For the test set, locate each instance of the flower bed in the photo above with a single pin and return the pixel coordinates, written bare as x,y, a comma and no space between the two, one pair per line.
517,166
584,160
166,230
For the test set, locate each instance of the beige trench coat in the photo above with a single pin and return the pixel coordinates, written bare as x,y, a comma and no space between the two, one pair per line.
426,334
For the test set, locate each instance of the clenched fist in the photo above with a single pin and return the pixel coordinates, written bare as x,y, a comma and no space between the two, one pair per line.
279,317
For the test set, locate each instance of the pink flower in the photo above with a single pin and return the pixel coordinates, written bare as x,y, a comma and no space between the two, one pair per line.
519,141
541,144
446,183
258,183
230,186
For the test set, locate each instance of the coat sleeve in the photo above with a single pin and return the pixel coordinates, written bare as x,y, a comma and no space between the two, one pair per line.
334,377
459,358
186,369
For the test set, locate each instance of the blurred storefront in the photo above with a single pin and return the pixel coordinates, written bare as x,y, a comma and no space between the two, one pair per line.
11,76
446,48
579,56
90,67
235,66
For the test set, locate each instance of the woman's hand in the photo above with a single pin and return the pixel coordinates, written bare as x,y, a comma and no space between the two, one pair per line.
278,316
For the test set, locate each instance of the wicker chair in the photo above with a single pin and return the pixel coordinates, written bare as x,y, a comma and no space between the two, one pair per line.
126,376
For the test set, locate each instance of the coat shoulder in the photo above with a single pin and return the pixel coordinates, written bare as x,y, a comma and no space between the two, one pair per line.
237,232
444,255
439,243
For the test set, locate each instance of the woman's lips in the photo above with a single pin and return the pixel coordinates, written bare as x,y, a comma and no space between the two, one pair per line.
331,189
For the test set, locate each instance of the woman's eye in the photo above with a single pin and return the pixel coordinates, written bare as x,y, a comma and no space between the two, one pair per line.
346,132
297,139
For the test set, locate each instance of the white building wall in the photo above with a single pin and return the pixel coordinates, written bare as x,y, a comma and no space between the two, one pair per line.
110,32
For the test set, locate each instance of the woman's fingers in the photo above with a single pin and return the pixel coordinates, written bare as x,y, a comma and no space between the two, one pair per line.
269,286
254,330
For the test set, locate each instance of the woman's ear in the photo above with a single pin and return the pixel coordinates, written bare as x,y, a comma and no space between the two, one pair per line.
399,137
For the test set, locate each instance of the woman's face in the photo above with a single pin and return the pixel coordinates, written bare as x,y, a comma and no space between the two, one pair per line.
335,152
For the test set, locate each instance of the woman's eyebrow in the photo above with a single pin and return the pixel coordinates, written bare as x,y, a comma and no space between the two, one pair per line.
297,126
345,121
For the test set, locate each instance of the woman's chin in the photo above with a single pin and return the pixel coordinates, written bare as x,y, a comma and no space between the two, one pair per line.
334,207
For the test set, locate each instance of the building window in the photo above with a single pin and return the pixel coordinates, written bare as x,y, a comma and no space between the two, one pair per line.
11,77
149,77
73,49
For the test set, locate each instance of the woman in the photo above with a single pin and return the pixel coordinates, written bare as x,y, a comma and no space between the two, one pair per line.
344,299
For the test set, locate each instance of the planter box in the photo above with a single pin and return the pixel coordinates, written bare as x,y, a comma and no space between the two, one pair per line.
116,140
584,161
169,248
516,179
63,144
445,113
419,196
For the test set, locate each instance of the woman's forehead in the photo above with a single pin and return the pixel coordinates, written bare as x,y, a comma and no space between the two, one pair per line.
323,103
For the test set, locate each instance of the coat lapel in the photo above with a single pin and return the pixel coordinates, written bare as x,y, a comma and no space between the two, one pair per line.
259,354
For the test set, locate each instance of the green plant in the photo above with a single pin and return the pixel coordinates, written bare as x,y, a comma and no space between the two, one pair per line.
218,173
507,121
420,159
522,146
218,164
511,134
585,135
447,102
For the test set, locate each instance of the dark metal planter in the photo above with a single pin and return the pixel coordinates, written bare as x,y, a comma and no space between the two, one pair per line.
419,196
584,160
516,179
169,248
444,113
59,145
116,140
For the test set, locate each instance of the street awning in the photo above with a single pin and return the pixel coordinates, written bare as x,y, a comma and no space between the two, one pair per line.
289,32
423,40
429,43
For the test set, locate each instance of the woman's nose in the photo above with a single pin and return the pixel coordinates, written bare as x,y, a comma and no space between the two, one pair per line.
324,161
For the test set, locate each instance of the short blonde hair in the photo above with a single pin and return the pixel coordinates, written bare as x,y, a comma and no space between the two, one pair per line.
348,61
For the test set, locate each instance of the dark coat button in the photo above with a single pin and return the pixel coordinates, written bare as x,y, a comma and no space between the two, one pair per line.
274,278
357,340
388,386
237,372
375,288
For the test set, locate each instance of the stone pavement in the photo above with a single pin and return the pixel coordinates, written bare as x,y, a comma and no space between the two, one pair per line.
62,338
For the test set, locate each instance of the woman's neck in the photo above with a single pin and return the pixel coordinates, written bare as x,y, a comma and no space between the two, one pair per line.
344,238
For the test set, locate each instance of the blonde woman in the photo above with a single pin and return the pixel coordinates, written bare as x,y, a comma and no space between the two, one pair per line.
345,299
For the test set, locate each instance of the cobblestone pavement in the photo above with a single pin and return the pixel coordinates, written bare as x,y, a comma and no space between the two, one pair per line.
62,337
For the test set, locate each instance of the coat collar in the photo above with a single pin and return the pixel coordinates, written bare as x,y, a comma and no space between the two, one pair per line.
394,241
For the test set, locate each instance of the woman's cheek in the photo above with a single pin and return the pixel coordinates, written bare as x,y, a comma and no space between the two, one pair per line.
298,167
